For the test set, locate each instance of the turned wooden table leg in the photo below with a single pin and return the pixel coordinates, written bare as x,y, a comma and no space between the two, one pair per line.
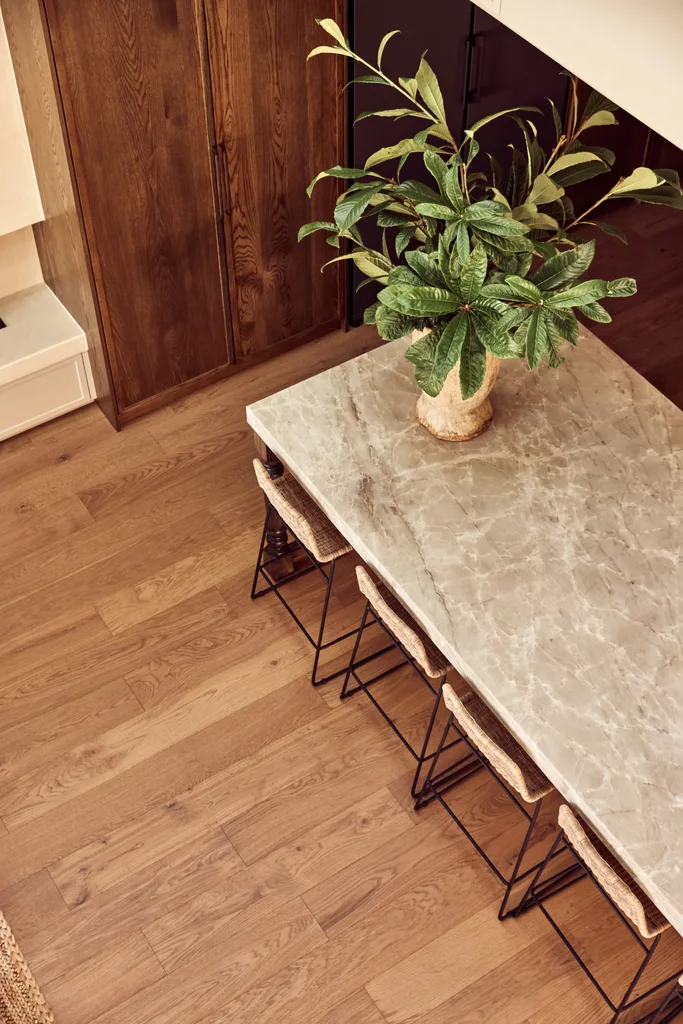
277,543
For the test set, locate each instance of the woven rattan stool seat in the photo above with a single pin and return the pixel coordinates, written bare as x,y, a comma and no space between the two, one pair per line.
299,512
403,626
611,875
500,749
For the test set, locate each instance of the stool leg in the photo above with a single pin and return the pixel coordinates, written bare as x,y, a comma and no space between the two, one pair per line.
623,1005
671,1007
260,556
435,760
321,631
415,789
504,912
352,662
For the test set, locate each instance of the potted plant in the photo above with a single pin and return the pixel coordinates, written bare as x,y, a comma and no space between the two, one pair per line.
481,266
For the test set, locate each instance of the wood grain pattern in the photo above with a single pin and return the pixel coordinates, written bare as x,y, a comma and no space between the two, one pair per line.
137,124
60,238
279,119
132,904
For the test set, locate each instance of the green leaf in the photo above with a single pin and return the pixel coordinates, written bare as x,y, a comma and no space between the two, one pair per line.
404,147
390,324
416,192
567,324
536,339
438,169
449,344
581,172
315,225
563,163
472,365
609,229
544,190
328,49
385,40
473,274
492,117
485,209
579,295
396,113
564,267
332,28
462,242
425,267
641,178
497,340
596,101
373,264
403,275
597,120
369,313
622,287
515,316
430,90
336,172
594,311
418,302
333,240
524,289
410,86
421,354
369,79
349,209
504,227
664,195
437,210
557,120
472,150
453,190
402,241
554,342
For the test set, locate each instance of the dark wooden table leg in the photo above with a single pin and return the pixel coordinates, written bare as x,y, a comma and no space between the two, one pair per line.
277,543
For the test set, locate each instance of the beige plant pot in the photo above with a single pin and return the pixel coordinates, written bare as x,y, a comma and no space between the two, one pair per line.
452,417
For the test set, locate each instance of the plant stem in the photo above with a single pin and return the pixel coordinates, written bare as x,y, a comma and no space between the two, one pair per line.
590,209
561,142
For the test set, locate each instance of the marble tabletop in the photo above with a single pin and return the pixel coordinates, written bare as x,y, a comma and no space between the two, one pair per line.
543,558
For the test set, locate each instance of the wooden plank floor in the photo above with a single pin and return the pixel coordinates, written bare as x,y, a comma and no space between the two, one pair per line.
189,832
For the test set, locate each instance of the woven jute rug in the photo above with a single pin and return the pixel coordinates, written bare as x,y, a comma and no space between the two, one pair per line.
20,998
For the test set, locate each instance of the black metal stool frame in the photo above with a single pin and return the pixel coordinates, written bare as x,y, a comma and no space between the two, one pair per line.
420,756
435,786
671,1007
274,586
538,899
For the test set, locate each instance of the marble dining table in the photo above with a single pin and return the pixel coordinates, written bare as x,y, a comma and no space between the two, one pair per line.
543,558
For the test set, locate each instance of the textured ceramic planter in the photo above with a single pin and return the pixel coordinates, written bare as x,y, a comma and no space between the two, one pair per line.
454,418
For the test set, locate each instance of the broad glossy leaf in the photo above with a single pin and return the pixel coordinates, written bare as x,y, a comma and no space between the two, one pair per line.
472,150
640,179
333,240
596,101
403,275
557,120
453,190
579,295
485,209
450,343
497,340
336,172
609,229
349,209
517,181
536,339
372,264
472,365
332,28
566,323
544,190
417,192
315,225
554,342
402,241
564,267
515,316
594,311
418,302
504,245
438,168
582,172
462,242
369,313
497,291
504,227
425,267
404,147
523,289
369,79
598,120
671,176
422,354
473,274
622,287
410,86
563,163
382,45
541,222
390,324
663,195
388,219
492,117
437,210
430,90
328,49
395,112
437,129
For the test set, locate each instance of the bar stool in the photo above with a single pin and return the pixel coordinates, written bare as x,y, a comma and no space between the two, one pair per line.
416,650
501,755
626,898
314,535
672,1005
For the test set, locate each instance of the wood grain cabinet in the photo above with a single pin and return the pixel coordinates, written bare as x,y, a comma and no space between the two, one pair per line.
192,129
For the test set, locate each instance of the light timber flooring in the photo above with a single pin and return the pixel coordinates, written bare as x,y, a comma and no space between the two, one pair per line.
189,832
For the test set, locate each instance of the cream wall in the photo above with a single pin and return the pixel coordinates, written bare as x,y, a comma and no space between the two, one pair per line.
631,50
19,264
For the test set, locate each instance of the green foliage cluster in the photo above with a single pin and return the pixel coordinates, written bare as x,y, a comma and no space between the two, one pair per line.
487,262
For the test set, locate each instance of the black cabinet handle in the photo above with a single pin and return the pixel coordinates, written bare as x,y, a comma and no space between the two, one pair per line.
226,178
476,67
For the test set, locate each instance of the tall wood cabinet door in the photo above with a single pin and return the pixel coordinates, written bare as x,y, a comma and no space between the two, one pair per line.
280,120
132,81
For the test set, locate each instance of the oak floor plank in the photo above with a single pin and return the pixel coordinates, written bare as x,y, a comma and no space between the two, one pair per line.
342,840
28,527
110,977
33,903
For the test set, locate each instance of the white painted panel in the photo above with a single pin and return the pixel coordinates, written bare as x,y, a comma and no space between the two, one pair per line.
39,331
19,263
630,50
19,197
51,392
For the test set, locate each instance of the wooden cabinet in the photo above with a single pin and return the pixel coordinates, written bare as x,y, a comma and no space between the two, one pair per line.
192,129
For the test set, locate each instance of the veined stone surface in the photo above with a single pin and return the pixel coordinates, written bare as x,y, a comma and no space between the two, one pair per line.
543,558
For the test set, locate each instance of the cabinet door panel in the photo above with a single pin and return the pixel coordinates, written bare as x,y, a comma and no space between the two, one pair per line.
135,104
280,120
